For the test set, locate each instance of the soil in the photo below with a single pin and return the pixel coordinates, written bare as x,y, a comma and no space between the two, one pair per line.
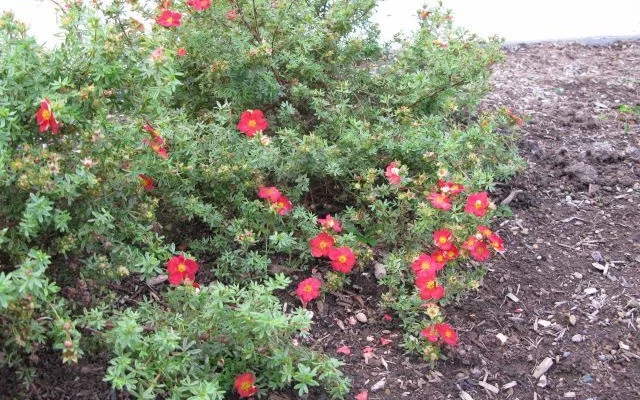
568,288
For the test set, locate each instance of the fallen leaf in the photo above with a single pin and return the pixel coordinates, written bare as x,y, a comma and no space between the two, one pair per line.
344,350
385,341
364,395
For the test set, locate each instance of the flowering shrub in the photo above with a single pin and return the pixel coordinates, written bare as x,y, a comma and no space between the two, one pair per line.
212,142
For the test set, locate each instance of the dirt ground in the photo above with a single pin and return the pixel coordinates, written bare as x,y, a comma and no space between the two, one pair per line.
567,292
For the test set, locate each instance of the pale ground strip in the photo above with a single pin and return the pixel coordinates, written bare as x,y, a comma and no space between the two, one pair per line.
514,20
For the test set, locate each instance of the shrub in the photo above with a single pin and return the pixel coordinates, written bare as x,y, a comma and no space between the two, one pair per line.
222,133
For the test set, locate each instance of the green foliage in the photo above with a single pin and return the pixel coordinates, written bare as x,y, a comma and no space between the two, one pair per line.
341,107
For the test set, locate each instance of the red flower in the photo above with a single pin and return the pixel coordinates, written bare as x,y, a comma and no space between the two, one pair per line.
480,252
344,350
157,54
443,238
439,200
199,5
245,385
45,117
157,144
470,243
439,257
428,287
169,18
477,204
450,187
393,173
252,121
232,14
430,333
146,181
282,205
387,317
329,222
270,193
181,52
451,253
180,269
448,334
342,259
426,264
150,129
496,242
308,289
321,244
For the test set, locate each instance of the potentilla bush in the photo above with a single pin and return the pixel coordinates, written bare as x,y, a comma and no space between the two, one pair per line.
213,145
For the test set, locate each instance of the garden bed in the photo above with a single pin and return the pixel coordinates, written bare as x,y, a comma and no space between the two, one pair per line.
567,288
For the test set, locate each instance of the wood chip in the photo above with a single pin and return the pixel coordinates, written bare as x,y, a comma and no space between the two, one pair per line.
489,387
155,281
379,385
503,338
543,367
465,396
513,297
570,395
590,291
509,385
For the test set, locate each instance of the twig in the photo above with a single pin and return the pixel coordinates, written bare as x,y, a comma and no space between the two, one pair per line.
510,197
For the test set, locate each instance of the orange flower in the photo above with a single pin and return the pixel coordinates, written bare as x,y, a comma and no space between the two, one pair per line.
309,289
45,117
157,144
451,253
146,181
270,193
477,204
443,238
484,231
440,201
329,222
321,244
448,334
470,243
181,269
245,385
252,121
342,259
169,18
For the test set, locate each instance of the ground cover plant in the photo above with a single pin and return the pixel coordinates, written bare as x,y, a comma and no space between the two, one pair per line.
236,161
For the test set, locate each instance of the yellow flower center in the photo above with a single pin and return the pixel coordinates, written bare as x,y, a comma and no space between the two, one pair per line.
323,245
252,123
442,239
307,289
246,386
425,265
431,285
46,115
448,334
170,20
342,259
182,267
478,204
